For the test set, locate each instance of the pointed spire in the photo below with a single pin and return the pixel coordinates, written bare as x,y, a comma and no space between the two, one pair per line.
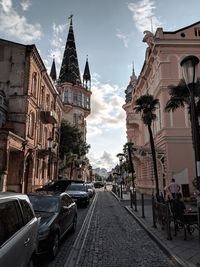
69,71
131,87
86,74
53,70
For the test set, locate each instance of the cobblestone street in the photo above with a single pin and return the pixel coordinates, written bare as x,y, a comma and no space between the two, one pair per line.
115,239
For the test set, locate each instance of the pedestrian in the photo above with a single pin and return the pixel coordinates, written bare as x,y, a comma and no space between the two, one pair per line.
105,188
173,188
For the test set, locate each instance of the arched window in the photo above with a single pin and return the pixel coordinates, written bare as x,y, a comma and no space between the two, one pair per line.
34,84
47,103
31,124
42,97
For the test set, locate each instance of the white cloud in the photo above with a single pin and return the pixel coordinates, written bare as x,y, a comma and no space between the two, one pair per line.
25,4
124,37
106,107
106,160
144,16
15,25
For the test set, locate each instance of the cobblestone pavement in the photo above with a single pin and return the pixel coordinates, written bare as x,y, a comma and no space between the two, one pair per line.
115,239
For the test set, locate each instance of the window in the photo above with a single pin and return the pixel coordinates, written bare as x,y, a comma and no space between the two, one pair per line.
67,95
31,124
27,211
34,83
10,220
79,99
75,118
197,32
42,97
48,103
75,98
87,102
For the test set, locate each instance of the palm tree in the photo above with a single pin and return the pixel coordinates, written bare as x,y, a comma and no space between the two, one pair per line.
128,150
146,104
180,97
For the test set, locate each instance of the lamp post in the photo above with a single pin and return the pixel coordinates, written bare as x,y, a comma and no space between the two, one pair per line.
49,144
189,66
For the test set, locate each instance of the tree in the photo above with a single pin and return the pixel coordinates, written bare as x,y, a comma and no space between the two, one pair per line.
146,104
180,97
128,150
72,145
71,141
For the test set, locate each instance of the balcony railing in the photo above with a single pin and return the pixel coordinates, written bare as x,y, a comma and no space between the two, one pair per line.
133,118
49,117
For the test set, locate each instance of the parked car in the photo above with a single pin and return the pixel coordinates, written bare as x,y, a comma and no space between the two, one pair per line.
18,230
98,184
57,185
91,189
58,213
78,192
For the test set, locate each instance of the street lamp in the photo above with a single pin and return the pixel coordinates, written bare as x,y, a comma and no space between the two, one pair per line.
189,65
49,144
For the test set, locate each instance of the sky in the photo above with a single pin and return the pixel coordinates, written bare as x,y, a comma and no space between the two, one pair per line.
110,32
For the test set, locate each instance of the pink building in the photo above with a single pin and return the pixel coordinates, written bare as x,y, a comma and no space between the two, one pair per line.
172,131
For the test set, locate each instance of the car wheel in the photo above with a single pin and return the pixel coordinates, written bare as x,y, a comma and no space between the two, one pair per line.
74,224
54,246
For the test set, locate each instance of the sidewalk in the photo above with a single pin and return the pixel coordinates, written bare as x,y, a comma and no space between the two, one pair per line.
186,252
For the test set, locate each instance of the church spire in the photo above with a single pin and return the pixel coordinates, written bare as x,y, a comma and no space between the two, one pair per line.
86,75
53,71
131,87
69,71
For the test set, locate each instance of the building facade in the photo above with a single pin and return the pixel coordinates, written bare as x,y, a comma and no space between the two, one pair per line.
172,131
30,115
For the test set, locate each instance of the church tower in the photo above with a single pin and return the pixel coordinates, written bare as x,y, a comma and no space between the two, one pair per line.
75,94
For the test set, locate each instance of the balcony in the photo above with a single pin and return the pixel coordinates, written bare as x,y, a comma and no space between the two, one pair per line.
133,118
49,117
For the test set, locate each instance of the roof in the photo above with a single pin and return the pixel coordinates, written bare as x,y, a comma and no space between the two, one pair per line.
69,71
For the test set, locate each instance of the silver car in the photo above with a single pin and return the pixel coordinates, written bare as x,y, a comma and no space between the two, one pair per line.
18,230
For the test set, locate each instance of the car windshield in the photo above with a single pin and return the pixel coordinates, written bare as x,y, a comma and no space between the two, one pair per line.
44,203
89,186
76,187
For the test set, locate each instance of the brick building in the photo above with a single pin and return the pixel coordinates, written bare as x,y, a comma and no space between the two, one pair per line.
30,115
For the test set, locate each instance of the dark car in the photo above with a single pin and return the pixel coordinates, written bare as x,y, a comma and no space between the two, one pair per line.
18,230
58,215
79,193
98,184
57,185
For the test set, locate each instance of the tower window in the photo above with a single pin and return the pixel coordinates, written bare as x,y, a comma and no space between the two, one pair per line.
75,118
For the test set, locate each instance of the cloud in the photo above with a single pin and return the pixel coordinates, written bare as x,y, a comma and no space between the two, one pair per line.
144,16
15,25
106,107
106,161
124,37
25,4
